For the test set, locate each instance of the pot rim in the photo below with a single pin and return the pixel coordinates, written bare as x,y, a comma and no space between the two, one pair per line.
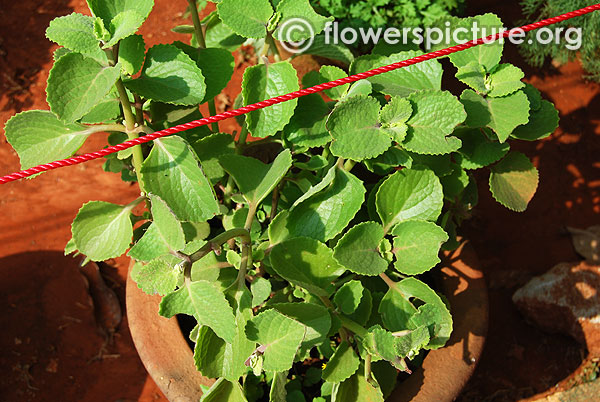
168,359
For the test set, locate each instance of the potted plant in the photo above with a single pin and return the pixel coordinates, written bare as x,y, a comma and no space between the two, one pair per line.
305,266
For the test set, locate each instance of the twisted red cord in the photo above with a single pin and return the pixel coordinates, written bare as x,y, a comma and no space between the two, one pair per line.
293,95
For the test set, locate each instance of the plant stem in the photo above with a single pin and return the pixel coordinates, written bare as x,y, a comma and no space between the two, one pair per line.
103,127
273,46
349,165
353,326
197,24
212,110
241,143
274,202
391,284
216,242
139,114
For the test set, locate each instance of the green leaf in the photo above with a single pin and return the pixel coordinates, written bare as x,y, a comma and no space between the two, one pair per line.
263,82
473,74
382,344
279,335
416,246
209,353
109,9
169,76
348,297
394,116
75,32
102,230
261,290
357,388
354,126
255,179
224,391
502,115
39,137
307,263
331,73
316,318
307,126
168,226
325,213
159,276
150,246
220,35
396,310
414,288
248,19
409,194
216,65
363,312
206,303
289,9
513,181
436,114
278,393
478,150
411,342
487,55
108,110
209,150
342,365
76,84
358,249
389,161
132,51
324,48
505,79
542,123
404,81
124,24
171,172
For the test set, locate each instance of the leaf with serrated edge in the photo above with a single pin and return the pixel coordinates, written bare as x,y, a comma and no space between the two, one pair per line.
358,249
124,24
342,365
261,290
75,32
169,76
307,263
248,19
109,9
488,55
357,388
224,391
209,149
348,296
332,73
354,126
505,79
159,276
40,137
404,81
289,9
263,82
168,226
171,172
255,179
409,194
502,115
206,303
316,318
76,84
132,51
478,150
416,246
307,126
473,74
514,181
396,310
394,116
436,115
102,230
542,123
150,246
280,335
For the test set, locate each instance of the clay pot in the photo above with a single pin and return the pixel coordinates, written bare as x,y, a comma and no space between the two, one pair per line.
168,359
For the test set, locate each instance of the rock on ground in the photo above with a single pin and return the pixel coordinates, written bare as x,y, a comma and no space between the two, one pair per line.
565,299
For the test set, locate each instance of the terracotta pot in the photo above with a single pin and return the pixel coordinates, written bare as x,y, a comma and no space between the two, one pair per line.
167,357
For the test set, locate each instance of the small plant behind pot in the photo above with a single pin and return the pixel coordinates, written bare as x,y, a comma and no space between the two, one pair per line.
304,279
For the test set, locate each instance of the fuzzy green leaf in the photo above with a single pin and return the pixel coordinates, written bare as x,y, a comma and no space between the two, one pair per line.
502,115
109,9
487,55
409,194
331,73
159,276
224,391
473,74
435,116
102,230
76,84
124,24
169,76
358,250
348,297
171,171
354,126
316,319
404,81
75,32
357,388
394,116
150,246
505,79
416,246
342,364
39,137
206,303
396,311
132,51
307,126
289,9
514,181
308,263
542,123
209,150
248,19
478,150
263,82
168,226
261,290
280,335
255,179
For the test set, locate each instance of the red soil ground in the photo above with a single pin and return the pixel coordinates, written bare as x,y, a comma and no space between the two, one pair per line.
49,333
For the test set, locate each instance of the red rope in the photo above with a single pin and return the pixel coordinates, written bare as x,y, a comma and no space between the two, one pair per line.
283,98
